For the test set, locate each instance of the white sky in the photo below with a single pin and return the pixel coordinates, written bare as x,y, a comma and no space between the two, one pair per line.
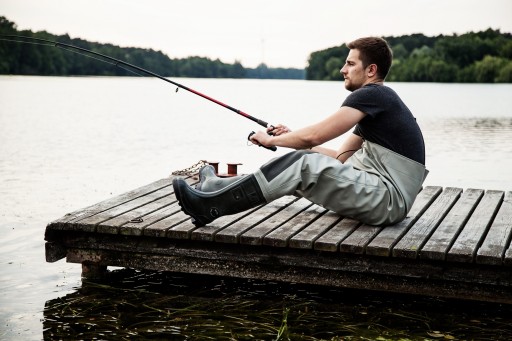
280,33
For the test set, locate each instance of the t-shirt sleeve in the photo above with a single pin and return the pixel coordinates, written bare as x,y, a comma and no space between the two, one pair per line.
365,100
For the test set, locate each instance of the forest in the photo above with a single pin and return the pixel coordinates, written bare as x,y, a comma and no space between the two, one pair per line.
27,59
474,57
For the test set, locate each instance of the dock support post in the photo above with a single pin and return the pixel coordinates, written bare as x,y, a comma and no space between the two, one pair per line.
92,270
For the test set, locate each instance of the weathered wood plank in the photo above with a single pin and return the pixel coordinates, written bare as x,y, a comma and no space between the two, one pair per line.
182,230
291,259
280,236
331,240
137,225
418,234
313,269
159,228
90,223
382,244
357,241
466,245
150,215
208,232
255,235
507,260
113,225
54,251
63,222
306,238
498,238
446,233
232,233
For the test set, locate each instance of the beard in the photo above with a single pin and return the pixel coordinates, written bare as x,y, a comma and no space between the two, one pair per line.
350,86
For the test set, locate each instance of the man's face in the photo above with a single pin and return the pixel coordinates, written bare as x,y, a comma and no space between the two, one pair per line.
353,71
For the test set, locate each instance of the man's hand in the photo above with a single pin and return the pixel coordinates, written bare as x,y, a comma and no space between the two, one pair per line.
278,129
261,138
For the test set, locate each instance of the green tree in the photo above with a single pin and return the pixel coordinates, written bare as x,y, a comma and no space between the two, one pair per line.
488,69
400,52
505,73
333,66
417,58
317,68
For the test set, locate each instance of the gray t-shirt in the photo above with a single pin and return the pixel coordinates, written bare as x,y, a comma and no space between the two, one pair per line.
388,121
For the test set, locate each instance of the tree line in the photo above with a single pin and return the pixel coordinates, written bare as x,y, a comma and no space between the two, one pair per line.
475,57
28,59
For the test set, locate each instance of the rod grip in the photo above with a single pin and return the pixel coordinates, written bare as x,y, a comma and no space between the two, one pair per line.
272,148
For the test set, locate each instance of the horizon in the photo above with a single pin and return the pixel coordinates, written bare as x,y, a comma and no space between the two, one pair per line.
262,64
279,35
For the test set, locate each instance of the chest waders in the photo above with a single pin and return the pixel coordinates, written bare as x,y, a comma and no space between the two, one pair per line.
375,186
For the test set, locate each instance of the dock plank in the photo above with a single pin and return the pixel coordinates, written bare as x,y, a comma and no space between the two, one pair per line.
140,218
105,222
383,243
305,239
208,232
444,236
281,236
136,227
160,227
255,235
418,234
357,241
90,223
113,225
66,221
466,245
507,260
330,241
232,233
182,230
498,238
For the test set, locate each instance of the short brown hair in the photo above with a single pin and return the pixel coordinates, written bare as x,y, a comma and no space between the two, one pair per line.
374,50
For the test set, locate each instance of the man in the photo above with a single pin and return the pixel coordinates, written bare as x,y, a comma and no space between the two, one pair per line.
373,177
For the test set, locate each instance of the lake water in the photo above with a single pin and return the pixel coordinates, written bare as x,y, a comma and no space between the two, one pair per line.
69,142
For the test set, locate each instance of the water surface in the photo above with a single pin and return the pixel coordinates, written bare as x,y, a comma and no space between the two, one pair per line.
69,142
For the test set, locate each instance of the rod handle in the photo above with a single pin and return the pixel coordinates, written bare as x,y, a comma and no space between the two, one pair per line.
272,148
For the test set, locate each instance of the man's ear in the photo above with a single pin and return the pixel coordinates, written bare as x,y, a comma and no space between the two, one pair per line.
372,70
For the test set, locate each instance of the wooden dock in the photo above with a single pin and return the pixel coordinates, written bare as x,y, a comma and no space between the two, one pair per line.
453,243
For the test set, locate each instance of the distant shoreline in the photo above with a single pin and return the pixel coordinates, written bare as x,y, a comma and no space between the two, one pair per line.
481,57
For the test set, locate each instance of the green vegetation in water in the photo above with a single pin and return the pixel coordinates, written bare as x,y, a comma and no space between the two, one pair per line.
151,305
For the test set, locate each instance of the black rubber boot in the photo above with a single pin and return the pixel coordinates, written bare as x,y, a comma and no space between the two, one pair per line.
205,207
210,182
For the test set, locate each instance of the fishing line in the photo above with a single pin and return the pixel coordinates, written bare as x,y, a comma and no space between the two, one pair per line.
128,67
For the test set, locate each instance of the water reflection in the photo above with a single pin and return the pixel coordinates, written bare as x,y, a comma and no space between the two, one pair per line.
132,304
469,152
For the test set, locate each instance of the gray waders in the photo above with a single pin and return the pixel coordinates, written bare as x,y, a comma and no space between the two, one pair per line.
375,186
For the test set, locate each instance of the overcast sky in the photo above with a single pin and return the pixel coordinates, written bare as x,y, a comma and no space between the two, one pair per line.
280,33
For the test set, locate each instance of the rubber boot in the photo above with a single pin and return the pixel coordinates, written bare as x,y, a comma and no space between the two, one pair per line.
210,182
205,207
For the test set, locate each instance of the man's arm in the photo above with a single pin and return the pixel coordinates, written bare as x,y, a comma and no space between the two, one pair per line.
314,135
352,144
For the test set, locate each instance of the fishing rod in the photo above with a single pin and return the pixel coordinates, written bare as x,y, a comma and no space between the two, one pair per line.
124,65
